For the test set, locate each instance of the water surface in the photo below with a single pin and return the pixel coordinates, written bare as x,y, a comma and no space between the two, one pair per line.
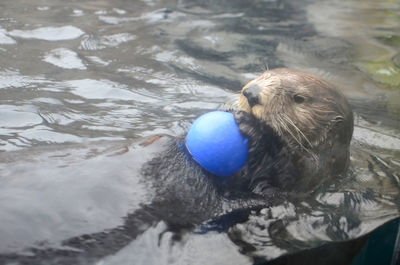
80,81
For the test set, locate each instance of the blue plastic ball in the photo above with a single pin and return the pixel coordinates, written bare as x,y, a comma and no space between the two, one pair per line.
215,142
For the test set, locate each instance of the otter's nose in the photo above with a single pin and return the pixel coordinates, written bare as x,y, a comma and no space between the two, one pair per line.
252,93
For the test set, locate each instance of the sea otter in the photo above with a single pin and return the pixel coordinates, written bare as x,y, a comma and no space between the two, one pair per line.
299,129
310,116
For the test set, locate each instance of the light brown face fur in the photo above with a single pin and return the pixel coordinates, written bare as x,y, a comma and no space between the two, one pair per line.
303,109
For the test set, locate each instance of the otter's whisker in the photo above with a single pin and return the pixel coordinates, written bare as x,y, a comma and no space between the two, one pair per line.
282,119
282,122
297,129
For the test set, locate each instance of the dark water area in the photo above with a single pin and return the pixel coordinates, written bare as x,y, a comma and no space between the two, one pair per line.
82,82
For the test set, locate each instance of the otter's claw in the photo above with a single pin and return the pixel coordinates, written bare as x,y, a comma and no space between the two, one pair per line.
245,122
250,127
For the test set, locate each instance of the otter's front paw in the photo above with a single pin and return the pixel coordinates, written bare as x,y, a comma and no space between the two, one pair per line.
246,123
250,127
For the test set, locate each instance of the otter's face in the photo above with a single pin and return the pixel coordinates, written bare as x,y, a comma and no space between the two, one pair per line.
300,107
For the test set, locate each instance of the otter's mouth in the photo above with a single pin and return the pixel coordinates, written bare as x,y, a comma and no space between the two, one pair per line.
254,108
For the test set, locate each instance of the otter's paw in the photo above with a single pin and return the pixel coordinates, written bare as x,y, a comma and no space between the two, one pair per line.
250,127
246,122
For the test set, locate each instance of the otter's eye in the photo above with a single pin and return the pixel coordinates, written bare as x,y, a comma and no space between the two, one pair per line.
298,99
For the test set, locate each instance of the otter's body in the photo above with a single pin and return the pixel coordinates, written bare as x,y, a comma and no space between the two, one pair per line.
178,192
299,128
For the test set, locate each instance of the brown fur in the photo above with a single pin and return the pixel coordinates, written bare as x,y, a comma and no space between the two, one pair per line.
318,129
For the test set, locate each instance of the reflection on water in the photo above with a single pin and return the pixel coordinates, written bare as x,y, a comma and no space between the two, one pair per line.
78,78
373,28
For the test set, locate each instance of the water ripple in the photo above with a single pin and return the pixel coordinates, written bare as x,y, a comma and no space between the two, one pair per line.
64,58
92,42
104,89
49,33
4,39
74,73
18,117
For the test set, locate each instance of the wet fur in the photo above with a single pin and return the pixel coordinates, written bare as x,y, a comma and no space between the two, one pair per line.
317,130
187,196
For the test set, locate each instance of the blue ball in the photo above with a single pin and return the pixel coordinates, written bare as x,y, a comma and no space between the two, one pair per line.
215,142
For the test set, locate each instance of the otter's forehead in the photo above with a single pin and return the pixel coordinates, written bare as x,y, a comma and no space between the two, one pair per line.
266,80
282,82
288,81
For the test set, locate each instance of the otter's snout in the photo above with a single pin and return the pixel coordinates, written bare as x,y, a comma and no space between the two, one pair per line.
252,93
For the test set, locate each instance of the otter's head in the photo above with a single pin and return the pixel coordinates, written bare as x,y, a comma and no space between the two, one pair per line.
311,118
303,109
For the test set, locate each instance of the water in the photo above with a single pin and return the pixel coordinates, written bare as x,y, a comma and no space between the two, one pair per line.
82,82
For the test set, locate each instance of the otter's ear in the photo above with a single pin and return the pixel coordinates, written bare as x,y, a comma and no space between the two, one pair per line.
338,119
338,128
335,124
